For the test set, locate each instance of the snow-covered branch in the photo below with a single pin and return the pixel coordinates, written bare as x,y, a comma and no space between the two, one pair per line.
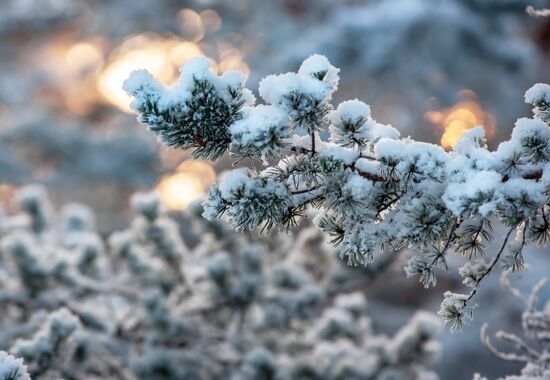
367,186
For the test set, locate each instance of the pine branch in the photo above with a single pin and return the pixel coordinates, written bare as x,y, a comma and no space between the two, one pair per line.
491,264
371,187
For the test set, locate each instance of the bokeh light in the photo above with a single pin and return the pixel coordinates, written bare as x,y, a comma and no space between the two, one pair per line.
84,56
461,117
189,183
191,25
160,56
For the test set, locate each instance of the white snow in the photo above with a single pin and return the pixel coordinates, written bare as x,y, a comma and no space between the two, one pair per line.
358,186
233,180
347,155
378,131
482,182
469,140
274,88
319,63
350,111
139,79
257,122
9,366
530,127
538,92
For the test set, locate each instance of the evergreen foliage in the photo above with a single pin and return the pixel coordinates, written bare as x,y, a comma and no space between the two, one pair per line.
365,186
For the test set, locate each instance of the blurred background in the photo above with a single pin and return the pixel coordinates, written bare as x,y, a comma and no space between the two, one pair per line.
432,68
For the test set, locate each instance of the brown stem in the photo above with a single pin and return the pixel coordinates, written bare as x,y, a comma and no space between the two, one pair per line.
387,205
544,217
492,264
296,192
447,243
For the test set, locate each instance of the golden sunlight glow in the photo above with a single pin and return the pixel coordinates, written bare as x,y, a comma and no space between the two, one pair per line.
91,72
231,59
160,56
183,52
461,117
71,67
186,185
83,56
79,65
7,193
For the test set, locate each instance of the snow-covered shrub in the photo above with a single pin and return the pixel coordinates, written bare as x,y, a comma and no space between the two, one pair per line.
50,345
538,12
76,154
34,15
366,186
147,304
12,368
539,97
536,327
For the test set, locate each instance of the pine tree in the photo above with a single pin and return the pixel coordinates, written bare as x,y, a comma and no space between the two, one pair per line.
367,187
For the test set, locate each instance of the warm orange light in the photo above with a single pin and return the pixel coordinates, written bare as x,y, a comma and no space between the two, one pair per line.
6,194
83,56
459,118
202,170
83,61
71,67
231,59
186,185
85,77
183,51
160,56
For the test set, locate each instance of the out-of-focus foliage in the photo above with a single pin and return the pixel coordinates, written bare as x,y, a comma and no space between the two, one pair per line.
66,155
533,349
144,305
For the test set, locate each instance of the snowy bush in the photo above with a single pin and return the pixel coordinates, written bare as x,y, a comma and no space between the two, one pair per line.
146,304
76,154
50,344
364,185
12,368
536,326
